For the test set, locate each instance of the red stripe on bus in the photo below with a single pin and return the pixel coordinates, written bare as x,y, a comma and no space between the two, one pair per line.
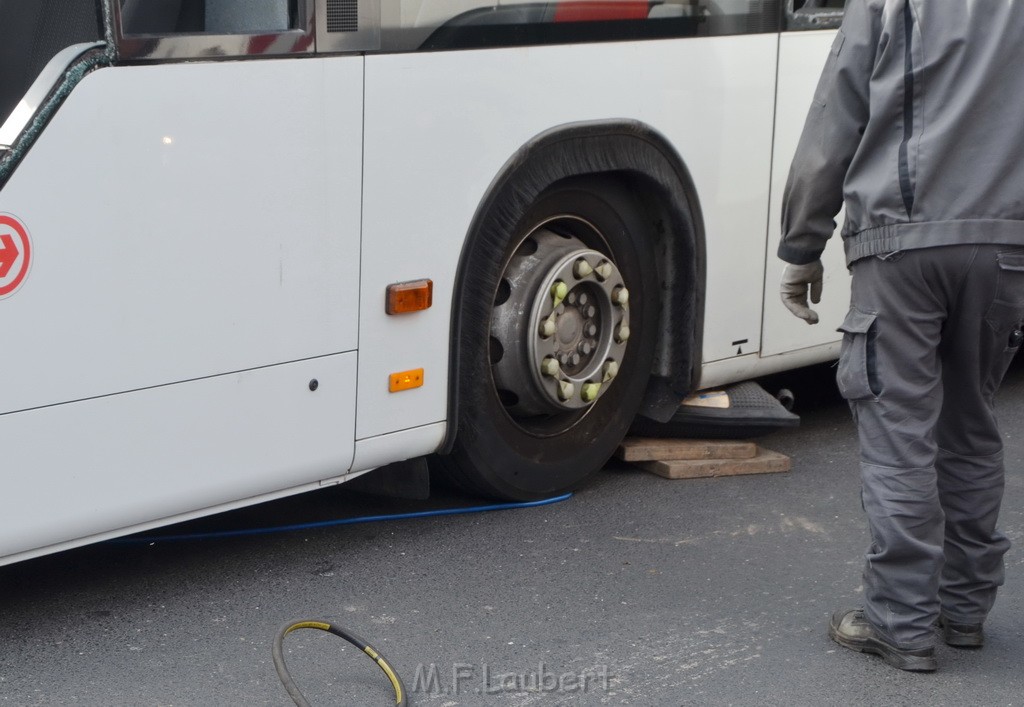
597,10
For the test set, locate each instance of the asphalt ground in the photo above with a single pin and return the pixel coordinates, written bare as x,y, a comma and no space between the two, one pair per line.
636,591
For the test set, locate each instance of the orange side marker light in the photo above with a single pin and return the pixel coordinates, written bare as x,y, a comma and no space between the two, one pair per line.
406,380
405,297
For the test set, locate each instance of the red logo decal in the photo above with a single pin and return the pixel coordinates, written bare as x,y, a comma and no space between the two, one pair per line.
15,254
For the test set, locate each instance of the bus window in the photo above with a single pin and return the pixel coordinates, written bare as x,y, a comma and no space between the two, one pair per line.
160,30
814,14
207,16
456,24
411,25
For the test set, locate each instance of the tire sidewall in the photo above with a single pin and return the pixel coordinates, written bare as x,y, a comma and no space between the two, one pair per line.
501,457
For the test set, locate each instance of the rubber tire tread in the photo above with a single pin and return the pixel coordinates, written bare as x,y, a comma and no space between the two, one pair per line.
492,456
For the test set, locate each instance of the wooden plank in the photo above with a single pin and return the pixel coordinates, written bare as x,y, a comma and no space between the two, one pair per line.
635,449
765,462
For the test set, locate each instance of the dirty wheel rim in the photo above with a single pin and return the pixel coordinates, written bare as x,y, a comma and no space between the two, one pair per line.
559,326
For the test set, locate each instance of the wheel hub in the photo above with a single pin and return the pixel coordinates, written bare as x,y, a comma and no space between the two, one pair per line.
560,330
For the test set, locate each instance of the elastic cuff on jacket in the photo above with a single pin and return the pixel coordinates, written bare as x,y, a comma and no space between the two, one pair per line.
797,256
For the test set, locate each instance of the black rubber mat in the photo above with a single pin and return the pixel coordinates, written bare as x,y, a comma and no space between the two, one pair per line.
752,411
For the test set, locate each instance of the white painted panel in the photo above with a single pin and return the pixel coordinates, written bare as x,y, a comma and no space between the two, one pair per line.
187,220
741,368
127,459
801,58
180,518
398,446
440,126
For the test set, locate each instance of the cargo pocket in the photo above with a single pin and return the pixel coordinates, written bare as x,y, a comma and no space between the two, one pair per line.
1006,313
857,375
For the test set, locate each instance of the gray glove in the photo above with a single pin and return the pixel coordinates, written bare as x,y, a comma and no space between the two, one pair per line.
795,282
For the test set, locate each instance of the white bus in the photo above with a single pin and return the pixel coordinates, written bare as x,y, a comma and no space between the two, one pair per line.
249,248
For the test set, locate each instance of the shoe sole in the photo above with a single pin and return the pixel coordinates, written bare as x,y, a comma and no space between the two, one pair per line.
910,663
963,640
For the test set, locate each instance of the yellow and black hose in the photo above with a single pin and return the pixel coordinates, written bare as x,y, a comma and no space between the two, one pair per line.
292,688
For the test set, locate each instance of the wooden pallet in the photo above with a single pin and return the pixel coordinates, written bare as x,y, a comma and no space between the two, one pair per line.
693,459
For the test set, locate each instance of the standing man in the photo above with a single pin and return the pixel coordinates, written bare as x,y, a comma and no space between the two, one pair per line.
917,125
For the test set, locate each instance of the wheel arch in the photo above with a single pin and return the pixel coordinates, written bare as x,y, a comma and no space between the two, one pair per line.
645,162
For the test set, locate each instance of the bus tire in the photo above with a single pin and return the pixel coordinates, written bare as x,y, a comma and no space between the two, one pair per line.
551,377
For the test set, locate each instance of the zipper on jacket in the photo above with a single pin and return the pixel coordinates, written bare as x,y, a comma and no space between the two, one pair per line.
906,186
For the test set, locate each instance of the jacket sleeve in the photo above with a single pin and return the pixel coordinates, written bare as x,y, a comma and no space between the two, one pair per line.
831,135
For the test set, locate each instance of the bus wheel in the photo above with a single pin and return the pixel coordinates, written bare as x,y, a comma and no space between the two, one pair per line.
553,369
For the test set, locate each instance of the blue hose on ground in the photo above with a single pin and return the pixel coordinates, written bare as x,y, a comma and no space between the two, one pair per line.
145,539
278,651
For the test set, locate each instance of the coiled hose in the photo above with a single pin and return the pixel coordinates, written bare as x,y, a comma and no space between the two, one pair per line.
289,683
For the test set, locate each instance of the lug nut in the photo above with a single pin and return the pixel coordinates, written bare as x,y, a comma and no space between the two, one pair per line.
575,358
592,330
558,292
590,391
586,348
549,367
571,299
583,298
565,390
548,328
603,270
622,335
563,358
591,311
610,370
582,269
620,296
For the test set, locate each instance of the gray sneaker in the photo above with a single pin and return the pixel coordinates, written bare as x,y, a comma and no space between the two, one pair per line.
962,635
850,629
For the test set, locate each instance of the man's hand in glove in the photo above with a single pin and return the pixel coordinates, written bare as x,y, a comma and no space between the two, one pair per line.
795,282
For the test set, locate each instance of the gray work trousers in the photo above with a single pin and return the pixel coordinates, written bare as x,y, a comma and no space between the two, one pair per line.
928,338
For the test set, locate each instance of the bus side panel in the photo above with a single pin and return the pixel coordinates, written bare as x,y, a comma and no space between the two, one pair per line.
80,469
440,127
801,58
186,220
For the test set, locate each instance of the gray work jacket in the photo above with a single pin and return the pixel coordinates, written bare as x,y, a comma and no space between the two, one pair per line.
917,125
